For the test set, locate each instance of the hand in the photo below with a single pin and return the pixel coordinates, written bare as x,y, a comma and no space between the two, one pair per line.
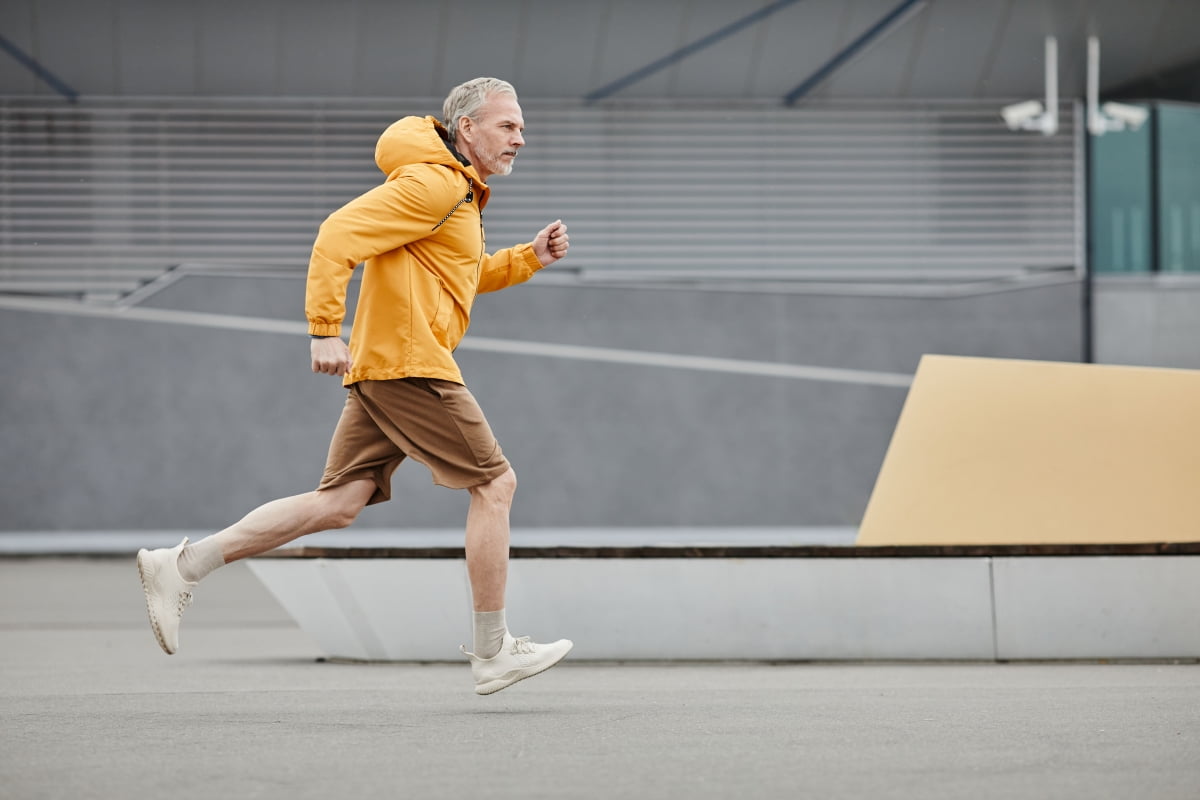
330,356
551,243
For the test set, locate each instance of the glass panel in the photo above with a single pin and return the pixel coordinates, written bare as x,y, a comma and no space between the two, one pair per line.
1179,187
1120,218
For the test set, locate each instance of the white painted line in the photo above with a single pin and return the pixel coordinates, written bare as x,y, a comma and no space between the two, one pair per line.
729,366
701,363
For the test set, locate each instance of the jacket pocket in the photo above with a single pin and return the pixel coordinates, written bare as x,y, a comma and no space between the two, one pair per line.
445,319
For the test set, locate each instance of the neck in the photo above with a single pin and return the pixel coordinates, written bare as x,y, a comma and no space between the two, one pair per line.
469,155
461,153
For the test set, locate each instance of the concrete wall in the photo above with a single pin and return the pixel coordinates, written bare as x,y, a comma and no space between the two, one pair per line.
110,423
1148,321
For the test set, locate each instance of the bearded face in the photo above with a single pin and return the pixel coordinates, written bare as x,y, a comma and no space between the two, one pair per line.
495,135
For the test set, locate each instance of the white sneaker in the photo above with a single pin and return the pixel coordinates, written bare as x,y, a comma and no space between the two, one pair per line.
517,660
167,593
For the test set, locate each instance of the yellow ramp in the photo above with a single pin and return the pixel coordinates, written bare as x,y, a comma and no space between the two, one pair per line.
996,451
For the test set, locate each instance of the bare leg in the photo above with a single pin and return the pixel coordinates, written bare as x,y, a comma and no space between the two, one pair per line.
487,541
280,521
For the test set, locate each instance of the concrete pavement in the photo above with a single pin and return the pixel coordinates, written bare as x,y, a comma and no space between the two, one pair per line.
90,708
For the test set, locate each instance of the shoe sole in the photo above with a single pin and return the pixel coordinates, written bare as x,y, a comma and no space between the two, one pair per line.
494,686
154,626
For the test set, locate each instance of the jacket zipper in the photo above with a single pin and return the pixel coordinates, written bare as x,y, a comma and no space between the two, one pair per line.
470,196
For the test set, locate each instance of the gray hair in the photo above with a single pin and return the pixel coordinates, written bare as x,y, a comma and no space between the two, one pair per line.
466,99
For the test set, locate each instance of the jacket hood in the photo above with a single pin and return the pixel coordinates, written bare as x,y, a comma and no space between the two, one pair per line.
418,140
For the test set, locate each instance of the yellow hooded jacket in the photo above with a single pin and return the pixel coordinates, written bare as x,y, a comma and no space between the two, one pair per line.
419,236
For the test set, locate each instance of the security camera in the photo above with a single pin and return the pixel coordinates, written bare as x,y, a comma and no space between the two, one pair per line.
1032,115
1102,119
1132,117
1021,115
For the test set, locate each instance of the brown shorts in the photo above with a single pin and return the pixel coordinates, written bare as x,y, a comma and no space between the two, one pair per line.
434,422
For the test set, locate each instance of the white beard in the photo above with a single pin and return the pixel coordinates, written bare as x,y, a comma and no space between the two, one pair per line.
499,166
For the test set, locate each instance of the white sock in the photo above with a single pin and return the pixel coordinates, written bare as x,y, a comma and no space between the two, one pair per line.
490,628
199,559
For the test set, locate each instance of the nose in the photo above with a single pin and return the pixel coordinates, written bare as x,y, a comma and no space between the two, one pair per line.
518,139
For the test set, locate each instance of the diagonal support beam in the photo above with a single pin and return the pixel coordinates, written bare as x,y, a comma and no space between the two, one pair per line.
687,50
889,22
31,64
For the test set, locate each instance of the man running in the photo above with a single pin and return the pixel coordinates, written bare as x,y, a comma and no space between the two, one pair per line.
419,236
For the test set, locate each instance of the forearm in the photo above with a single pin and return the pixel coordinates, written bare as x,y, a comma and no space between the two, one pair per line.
508,268
325,296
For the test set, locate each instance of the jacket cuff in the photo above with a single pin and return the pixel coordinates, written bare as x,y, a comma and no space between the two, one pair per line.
531,259
324,329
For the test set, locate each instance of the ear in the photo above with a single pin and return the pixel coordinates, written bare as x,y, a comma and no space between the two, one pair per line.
465,124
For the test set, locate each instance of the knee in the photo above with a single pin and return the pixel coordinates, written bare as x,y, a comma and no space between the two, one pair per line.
498,491
337,510
338,518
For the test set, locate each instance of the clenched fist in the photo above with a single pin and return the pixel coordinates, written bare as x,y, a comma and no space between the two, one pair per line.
330,356
551,243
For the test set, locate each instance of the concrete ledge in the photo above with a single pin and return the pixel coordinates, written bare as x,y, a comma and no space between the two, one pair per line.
1104,607
761,603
